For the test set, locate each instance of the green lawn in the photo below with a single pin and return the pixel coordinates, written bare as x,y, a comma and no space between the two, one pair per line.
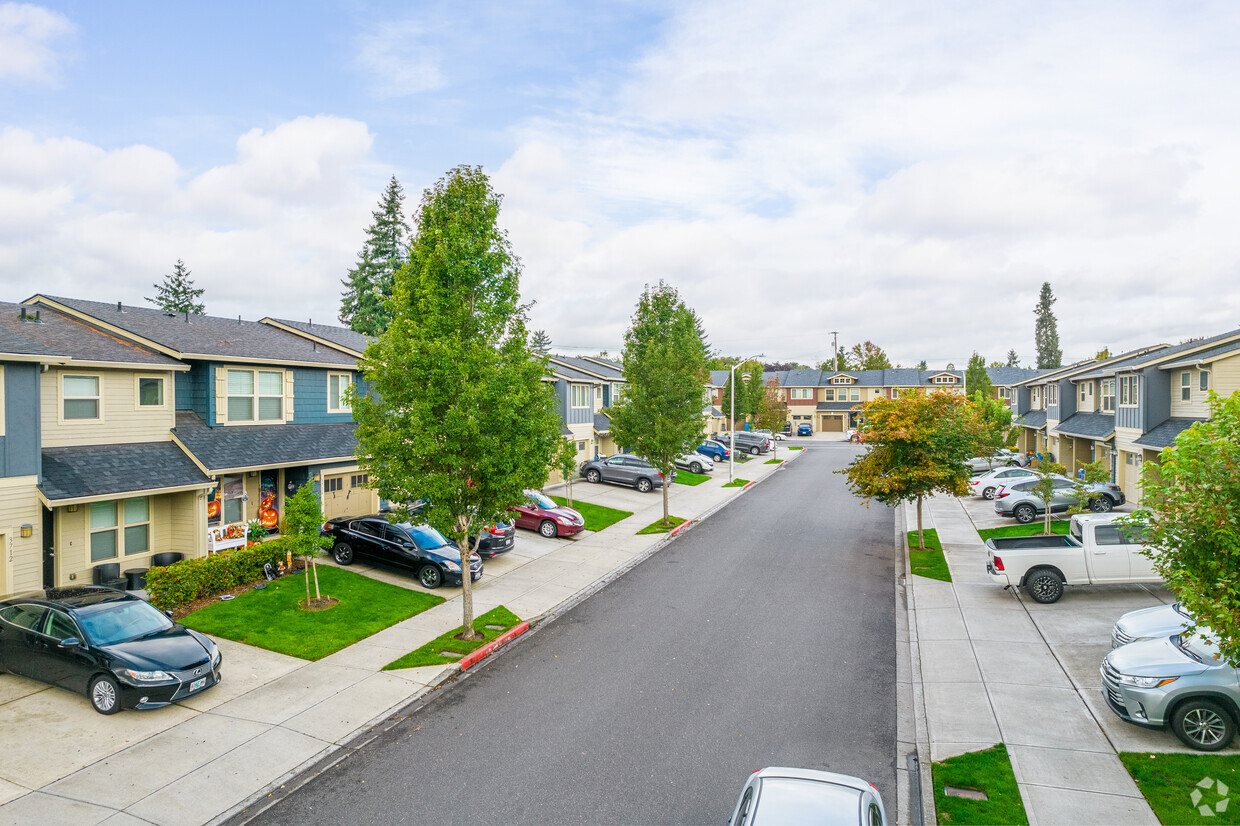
736,483
1168,782
597,516
685,477
272,619
987,771
1057,526
657,525
930,562
430,654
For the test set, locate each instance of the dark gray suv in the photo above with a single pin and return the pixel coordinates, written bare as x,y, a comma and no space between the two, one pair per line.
624,469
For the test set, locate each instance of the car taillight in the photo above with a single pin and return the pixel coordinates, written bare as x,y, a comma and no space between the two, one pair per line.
660,473
998,564
1002,494
495,530
327,526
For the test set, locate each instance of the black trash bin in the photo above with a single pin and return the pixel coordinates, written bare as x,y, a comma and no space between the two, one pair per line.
136,578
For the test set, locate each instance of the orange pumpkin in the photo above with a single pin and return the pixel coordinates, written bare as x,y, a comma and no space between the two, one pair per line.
269,517
267,502
213,508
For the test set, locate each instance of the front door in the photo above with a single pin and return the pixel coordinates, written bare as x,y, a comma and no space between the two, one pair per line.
49,549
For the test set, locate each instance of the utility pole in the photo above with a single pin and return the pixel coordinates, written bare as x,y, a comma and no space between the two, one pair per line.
835,346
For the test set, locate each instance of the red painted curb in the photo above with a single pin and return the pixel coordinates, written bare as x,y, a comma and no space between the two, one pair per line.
488,649
747,486
679,528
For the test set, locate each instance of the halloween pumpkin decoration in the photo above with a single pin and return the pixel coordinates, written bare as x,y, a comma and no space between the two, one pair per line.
269,517
213,508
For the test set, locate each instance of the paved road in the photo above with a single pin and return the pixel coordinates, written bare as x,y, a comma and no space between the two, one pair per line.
764,636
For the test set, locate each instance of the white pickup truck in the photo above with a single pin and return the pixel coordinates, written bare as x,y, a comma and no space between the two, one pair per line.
1095,551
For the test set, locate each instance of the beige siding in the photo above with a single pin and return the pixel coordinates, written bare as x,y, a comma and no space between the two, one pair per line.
1226,375
178,523
122,422
21,560
1196,405
1090,402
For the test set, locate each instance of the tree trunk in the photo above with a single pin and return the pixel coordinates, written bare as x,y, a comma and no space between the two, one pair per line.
921,540
307,573
315,566
467,589
667,483
1046,519
568,486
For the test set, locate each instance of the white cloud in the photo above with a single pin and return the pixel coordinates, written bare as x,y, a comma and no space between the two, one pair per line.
401,58
28,35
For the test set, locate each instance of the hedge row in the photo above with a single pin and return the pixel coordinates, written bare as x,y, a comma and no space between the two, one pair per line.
183,582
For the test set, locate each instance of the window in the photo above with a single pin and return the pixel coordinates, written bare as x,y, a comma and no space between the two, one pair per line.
580,395
81,397
943,380
854,395
841,380
1205,381
828,394
119,526
802,393
617,393
232,489
895,392
581,446
359,480
333,484
1108,395
337,387
1052,394
255,395
1186,386
1128,390
150,391
1005,392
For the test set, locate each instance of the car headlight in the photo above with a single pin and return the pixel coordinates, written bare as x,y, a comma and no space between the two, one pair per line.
216,656
146,676
452,566
1145,682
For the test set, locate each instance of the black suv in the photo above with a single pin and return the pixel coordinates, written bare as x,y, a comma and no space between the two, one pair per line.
434,557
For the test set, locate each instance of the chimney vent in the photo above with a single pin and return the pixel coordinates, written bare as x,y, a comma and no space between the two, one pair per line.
118,307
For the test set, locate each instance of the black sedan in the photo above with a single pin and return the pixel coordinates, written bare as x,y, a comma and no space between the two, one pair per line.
435,558
497,538
111,646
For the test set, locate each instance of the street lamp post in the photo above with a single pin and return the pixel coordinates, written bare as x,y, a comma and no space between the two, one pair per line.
732,414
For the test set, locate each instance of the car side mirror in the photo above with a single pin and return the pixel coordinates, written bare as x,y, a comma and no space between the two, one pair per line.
70,642
168,614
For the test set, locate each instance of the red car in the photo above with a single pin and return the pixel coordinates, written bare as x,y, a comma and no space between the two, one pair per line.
541,513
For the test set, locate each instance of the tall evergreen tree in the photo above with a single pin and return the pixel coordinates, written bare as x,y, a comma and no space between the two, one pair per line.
540,343
1046,331
921,365
976,379
369,284
178,294
1013,360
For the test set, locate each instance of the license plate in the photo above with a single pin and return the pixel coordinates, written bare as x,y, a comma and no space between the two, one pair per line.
197,684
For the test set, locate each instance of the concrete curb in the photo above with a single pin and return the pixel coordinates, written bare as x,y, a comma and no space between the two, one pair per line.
494,645
683,526
921,795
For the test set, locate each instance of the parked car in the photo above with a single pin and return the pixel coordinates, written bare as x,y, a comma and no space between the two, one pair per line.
746,442
986,484
804,429
1002,458
1180,682
782,795
540,512
776,437
1095,551
624,469
497,538
1020,501
694,463
1155,623
421,548
716,451
109,645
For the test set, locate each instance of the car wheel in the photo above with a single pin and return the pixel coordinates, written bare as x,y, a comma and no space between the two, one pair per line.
592,475
753,451
342,553
644,485
1024,514
1203,725
547,529
988,493
105,696
1102,504
1044,585
430,576
696,467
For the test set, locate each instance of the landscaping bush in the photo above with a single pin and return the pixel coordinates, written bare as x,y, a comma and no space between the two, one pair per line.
183,582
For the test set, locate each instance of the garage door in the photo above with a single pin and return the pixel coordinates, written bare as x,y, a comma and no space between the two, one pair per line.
833,424
345,494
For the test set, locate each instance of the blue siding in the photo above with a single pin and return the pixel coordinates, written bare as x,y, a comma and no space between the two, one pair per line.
310,397
561,399
1127,416
1155,397
20,446
1052,412
194,390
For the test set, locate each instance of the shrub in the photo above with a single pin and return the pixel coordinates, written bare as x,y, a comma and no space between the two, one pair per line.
183,582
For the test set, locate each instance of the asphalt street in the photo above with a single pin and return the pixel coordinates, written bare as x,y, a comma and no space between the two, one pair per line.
764,636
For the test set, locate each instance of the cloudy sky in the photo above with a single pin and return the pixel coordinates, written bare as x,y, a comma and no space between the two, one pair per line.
907,173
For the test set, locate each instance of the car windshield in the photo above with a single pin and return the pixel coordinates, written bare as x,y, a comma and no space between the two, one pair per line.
1203,647
792,800
108,623
425,536
543,501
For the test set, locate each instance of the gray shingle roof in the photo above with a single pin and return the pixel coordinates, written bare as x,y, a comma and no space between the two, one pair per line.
598,369
1005,376
573,374
713,411
839,406
212,336
1164,434
1034,418
341,336
602,422
1206,355
1202,343
226,448
116,470
1088,425
56,335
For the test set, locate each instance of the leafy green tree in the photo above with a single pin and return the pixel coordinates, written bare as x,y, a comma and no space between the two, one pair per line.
1103,354
1044,488
1013,360
921,365
303,518
459,413
976,379
1046,330
1191,514
369,284
996,424
727,404
754,390
773,409
540,342
916,445
566,462
665,364
178,294
868,356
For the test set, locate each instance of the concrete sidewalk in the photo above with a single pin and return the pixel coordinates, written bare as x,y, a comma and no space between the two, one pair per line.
990,675
272,715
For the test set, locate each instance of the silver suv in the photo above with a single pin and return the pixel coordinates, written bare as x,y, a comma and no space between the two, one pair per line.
624,469
1178,681
1020,500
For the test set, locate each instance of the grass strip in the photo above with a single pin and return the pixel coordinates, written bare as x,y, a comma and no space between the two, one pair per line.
597,517
1170,781
988,771
774,462
929,562
273,619
687,477
430,654
657,526
1057,526
737,483
796,448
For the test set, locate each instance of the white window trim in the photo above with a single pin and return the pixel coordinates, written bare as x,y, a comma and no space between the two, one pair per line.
119,506
285,403
572,396
137,391
842,380
1186,386
854,394
346,380
1052,394
60,398
802,393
